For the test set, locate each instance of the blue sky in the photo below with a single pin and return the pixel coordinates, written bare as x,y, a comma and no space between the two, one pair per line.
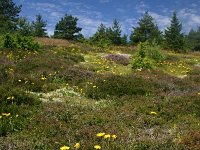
93,12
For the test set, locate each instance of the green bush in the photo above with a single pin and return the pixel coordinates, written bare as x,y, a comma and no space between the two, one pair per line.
9,96
153,52
147,56
15,105
20,42
143,63
114,85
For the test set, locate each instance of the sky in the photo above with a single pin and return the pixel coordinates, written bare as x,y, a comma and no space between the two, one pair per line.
91,13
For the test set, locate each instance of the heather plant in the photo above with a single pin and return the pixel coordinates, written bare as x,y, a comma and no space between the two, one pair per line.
12,102
115,85
117,58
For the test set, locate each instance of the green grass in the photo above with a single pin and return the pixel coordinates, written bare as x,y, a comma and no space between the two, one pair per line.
66,95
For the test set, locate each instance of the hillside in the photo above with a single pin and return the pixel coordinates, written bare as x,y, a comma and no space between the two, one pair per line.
68,92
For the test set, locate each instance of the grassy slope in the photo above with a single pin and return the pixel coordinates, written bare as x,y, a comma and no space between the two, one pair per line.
65,83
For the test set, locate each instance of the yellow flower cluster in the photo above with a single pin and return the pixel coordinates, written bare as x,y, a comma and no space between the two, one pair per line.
105,136
76,146
6,114
10,98
43,77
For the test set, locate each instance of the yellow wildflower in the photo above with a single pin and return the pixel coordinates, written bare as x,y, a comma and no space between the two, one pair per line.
43,78
6,114
94,86
77,145
101,134
64,148
19,80
153,113
0,117
10,98
114,136
106,136
97,147
198,93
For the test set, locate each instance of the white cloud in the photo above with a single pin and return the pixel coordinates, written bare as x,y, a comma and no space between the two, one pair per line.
190,18
90,25
161,20
141,7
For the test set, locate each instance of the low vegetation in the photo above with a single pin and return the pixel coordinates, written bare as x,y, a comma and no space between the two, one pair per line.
97,93
91,101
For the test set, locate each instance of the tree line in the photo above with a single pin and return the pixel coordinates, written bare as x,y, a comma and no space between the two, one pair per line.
147,30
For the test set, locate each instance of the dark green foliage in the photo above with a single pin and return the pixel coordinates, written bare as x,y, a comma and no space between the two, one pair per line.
108,36
39,27
154,53
147,30
12,100
67,28
114,33
124,39
173,37
20,42
118,86
193,40
9,42
20,97
147,56
101,38
8,16
24,28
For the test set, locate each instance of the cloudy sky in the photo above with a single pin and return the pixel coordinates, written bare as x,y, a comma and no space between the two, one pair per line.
93,12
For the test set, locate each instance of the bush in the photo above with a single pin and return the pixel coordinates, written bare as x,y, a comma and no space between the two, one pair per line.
14,109
196,47
153,52
114,85
147,56
20,42
9,96
143,63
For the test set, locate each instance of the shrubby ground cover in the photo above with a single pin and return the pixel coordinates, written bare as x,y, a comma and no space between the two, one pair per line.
71,95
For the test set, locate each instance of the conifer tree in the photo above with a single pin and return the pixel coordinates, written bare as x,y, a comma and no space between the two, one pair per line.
193,39
101,37
124,39
24,28
67,28
115,33
173,37
9,15
147,30
39,27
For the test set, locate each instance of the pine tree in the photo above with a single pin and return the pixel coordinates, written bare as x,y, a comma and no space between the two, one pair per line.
124,39
67,28
24,28
115,33
173,37
101,37
193,39
147,30
39,27
9,13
